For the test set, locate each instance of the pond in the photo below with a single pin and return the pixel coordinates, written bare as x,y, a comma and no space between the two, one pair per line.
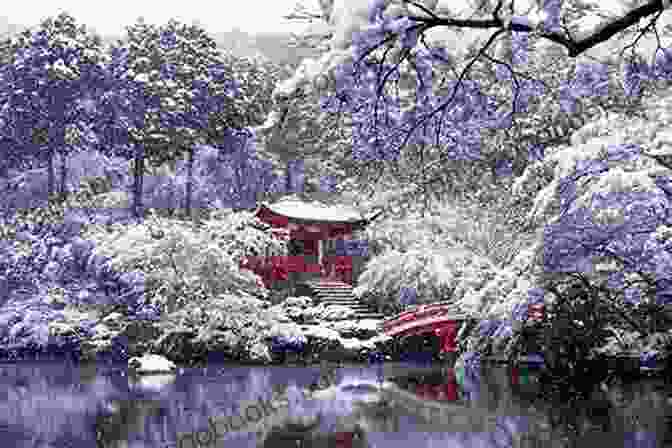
52,405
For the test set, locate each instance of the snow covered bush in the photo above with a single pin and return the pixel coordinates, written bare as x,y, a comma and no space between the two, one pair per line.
52,280
600,210
242,234
184,262
486,228
435,273
172,255
446,254
231,325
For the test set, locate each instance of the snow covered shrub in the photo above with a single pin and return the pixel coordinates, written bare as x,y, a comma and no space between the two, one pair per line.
407,233
44,252
487,229
242,234
435,274
29,237
182,261
52,298
42,247
229,324
449,254
601,249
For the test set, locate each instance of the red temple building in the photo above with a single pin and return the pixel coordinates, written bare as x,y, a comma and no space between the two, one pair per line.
322,242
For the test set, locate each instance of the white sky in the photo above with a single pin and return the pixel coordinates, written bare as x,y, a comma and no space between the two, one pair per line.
252,16
110,17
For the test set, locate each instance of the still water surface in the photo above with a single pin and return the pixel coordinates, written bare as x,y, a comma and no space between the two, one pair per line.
52,405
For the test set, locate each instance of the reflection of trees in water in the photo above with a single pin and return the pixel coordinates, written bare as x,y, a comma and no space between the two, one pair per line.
307,434
325,378
128,418
380,416
618,409
420,347
614,412
197,397
615,415
50,404
514,413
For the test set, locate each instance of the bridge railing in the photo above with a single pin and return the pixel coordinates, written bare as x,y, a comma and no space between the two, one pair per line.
425,325
419,312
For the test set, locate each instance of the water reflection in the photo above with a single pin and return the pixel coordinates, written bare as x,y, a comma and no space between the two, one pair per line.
43,405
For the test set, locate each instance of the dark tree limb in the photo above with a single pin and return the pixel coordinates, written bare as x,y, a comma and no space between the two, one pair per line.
602,34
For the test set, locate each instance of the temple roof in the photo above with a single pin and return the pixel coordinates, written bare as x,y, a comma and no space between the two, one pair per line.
296,208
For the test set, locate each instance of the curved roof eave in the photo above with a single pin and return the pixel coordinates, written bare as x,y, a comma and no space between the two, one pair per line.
315,211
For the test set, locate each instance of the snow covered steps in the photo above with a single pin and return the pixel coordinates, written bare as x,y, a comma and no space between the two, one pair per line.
338,293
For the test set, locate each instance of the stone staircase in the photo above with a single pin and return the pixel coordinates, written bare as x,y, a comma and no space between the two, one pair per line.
338,293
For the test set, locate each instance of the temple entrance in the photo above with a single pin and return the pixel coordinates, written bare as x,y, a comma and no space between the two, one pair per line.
304,253
317,235
337,264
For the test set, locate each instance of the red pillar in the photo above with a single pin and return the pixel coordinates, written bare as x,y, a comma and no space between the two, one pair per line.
448,335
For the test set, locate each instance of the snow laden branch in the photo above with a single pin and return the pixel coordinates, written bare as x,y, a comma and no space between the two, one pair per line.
602,32
400,89
346,18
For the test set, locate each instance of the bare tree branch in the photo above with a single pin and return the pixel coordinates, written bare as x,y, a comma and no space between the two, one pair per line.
602,34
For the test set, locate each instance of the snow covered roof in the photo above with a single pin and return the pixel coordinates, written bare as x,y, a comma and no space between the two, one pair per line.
315,210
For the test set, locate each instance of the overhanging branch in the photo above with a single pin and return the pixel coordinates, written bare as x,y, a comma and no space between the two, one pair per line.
602,33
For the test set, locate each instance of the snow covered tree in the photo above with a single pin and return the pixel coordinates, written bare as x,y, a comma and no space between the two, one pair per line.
179,65
46,74
600,210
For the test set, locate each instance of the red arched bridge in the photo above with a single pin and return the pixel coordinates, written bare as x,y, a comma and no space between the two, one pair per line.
441,319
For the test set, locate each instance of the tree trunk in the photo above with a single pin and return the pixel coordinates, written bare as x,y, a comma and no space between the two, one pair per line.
288,178
190,177
51,176
64,170
138,174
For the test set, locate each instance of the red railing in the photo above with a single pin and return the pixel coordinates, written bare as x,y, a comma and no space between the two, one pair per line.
419,326
419,312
